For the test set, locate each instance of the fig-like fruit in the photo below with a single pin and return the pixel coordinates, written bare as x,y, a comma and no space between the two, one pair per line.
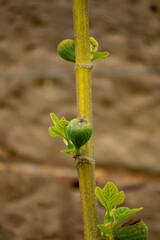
79,131
131,230
66,49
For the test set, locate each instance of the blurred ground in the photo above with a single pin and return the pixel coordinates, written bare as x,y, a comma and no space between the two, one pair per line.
35,201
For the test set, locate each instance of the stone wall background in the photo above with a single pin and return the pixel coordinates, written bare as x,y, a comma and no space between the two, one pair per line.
35,81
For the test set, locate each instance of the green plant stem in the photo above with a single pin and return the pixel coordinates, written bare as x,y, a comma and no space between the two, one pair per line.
86,170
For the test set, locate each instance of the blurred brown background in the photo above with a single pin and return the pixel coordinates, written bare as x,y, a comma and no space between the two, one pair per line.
39,195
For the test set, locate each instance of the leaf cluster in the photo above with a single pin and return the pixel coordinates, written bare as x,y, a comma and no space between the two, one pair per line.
60,129
93,49
109,197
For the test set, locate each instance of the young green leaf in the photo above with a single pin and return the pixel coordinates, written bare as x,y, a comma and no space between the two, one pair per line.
109,196
93,44
101,197
60,127
123,213
99,55
110,191
53,132
119,199
106,231
54,118
66,151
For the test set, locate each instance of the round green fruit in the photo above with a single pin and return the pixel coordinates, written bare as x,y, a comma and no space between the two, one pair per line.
79,131
131,230
66,49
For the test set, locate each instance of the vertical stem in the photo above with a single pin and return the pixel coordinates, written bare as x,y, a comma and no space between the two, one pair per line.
83,68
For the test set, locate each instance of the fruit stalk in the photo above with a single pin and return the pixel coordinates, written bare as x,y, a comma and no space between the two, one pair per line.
83,69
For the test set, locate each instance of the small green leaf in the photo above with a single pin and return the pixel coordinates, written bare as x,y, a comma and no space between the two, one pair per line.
99,55
110,191
119,199
54,118
100,195
60,127
66,151
109,197
65,120
62,123
93,44
123,213
61,131
52,132
106,231
113,197
56,132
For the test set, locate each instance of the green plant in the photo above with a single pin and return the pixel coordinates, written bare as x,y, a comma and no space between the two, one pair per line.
75,134
78,139
132,230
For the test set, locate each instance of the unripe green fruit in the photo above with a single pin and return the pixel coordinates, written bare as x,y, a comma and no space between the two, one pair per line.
131,230
66,49
79,131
